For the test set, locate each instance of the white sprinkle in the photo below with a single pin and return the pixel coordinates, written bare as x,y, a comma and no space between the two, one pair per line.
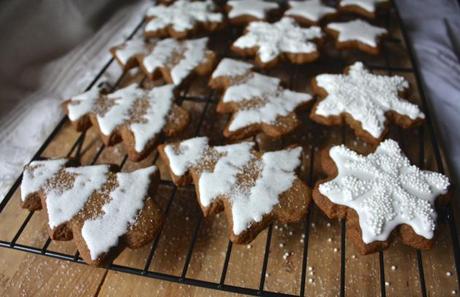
286,255
290,233
310,280
281,245
353,256
249,246
310,268
387,284
328,224
301,240
329,239
454,292
393,267
267,274
448,273
303,235
313,225
336,250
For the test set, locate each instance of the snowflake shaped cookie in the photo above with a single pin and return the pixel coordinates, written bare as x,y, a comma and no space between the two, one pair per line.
309,12
181,18
177,60
258,102
245,11
135,115
363,100
254,188
285,38
357,34
365,8
99,208
384,190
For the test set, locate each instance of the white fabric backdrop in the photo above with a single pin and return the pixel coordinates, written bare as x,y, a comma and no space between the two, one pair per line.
52,49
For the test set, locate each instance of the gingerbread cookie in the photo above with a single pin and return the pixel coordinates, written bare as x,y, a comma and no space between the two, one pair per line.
357,34
367,8
134,115
309,12
182,18
364,101
245,11
128,53
283,39
101,210
253,188
380,195
258,102
178,60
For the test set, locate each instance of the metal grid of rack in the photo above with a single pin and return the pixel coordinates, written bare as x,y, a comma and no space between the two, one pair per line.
446,213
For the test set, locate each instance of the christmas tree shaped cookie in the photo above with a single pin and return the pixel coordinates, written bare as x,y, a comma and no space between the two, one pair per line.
364,101
257,102
178,60
270,42
128,53
253,188
134,115
102,211
380,194
182,18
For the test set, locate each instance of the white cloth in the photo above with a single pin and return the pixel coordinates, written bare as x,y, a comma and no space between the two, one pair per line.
427,21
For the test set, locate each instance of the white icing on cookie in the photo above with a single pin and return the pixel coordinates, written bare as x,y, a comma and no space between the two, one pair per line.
312,10
181,15
126,200
145,124
192,53
277,176
37,174
131,49
231,67
385,190
272,100
358,30
284,36
369,5
366,97
63,204
249,203
255,8
188,153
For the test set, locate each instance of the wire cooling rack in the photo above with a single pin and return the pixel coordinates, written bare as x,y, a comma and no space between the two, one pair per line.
389,19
